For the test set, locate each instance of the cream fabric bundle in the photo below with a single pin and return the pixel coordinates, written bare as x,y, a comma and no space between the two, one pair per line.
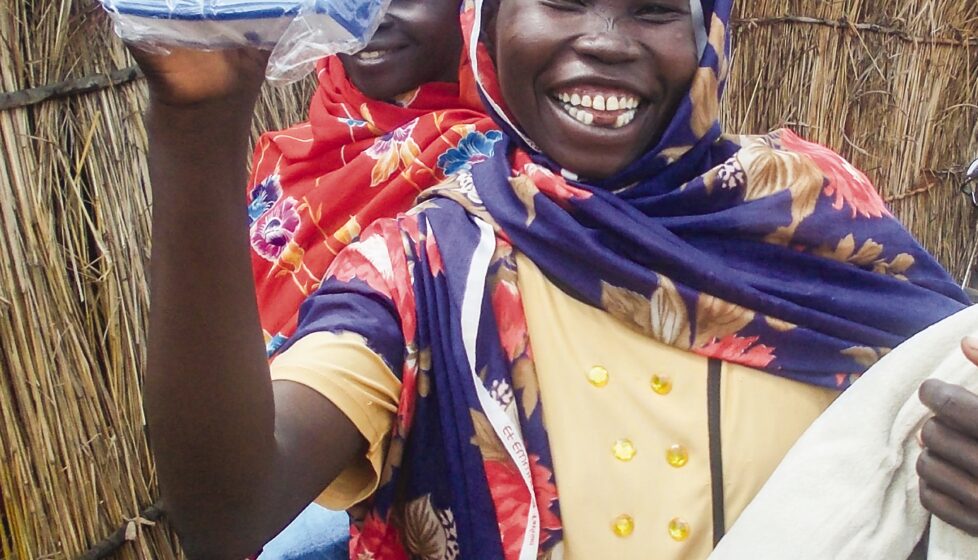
849,489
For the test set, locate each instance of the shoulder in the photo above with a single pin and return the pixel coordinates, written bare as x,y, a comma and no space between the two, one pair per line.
390,233
846,184
849,188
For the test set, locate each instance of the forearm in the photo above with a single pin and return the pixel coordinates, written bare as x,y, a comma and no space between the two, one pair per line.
208,394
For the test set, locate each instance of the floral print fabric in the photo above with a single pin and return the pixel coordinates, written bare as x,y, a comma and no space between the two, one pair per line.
767,251
316,185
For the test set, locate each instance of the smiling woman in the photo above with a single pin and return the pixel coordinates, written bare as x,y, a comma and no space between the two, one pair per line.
417,43
599,87
474,375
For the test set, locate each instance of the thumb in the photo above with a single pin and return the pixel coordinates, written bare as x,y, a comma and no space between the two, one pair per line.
969,345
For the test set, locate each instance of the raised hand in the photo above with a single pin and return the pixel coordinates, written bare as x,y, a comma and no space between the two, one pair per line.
237,457
188,78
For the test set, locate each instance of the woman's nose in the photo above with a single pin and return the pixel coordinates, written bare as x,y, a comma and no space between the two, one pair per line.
386,23
394,13
608,45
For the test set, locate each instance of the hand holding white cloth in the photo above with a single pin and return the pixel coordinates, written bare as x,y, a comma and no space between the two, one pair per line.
849,489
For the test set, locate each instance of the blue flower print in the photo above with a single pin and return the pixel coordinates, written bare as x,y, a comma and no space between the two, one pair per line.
474,148
263,196
273,344
353,123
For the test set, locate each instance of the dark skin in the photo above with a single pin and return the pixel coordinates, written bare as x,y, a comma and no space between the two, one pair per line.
238,456
417,42
948,466
623,48
199,119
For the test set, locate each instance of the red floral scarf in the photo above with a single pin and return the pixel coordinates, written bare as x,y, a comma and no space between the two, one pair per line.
316,185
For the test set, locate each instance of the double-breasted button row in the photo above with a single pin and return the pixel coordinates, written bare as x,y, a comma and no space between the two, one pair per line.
624,450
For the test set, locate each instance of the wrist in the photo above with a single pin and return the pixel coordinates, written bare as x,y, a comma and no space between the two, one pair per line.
198,150
228,114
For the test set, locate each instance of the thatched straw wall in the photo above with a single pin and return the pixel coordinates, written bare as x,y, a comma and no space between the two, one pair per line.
897,93
895,90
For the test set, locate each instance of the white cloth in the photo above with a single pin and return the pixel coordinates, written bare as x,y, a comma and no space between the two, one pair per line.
849,489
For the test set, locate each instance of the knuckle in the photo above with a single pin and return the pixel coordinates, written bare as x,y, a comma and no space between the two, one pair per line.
930,433
970,526
927,499
971,500
923,465
946,401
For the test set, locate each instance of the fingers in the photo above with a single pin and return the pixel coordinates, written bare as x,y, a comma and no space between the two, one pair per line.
945,478
948,465
948,509
954,406
951,446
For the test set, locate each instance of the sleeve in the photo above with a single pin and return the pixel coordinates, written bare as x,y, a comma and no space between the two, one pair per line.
342,368
350,347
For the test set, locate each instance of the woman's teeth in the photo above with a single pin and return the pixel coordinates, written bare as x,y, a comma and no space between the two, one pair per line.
625,118
581,115
370,55
587,108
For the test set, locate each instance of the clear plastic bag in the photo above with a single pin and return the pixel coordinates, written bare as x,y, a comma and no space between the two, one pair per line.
298,32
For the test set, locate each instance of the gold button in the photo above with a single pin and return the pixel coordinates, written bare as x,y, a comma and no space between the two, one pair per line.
624,450
661,384
678,530
598,376
677,456
623,525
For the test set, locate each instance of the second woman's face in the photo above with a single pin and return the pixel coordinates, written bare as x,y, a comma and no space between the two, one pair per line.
594,82
417,42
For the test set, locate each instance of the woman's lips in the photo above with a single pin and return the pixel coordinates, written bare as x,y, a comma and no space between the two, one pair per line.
377,54
598,106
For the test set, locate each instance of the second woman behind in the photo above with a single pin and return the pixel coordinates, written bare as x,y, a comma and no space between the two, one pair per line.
384,125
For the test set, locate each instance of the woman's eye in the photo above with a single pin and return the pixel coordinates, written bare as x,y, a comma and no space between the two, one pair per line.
657,12
565,5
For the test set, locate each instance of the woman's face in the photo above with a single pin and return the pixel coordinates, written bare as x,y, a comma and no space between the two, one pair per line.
417,42
594,82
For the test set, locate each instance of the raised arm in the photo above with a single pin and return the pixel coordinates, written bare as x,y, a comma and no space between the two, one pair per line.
237,457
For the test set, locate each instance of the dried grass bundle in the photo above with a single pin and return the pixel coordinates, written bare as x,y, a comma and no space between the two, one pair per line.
897,92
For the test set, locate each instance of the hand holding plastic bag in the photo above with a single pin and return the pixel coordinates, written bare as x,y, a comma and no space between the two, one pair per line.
227,79
298,32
